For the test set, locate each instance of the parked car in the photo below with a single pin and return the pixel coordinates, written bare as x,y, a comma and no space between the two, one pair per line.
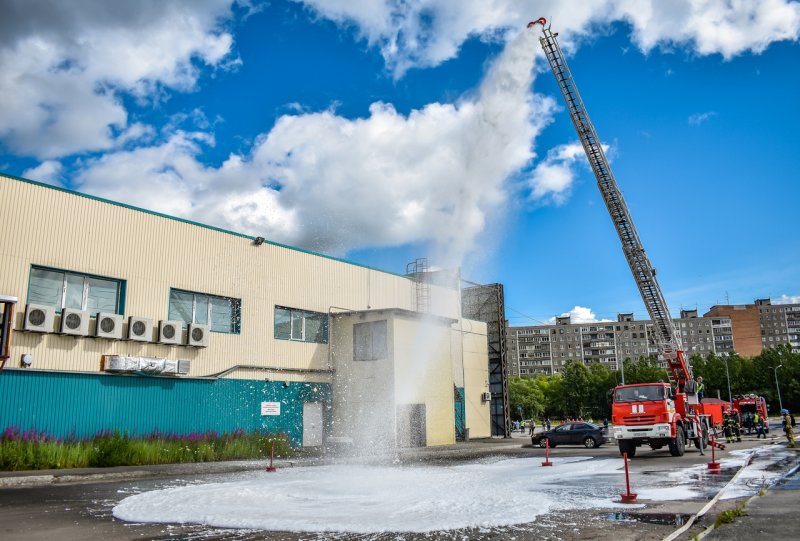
588,434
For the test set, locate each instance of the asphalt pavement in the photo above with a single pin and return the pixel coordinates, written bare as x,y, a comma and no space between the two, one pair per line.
29,498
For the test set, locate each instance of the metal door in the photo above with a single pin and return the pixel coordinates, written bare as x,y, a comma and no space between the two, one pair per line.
312,424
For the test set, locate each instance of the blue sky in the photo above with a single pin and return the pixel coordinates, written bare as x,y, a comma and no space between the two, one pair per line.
385,131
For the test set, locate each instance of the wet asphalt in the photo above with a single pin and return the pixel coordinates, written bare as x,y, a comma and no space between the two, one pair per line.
75,505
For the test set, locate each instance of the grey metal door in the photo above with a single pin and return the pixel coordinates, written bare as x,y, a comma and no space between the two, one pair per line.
312,424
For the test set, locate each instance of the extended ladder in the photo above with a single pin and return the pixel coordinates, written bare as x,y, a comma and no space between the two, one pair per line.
666,337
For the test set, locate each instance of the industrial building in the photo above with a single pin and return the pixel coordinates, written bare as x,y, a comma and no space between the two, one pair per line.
134,320
546,349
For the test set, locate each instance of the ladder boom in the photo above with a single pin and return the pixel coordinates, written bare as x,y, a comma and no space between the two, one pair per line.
666,337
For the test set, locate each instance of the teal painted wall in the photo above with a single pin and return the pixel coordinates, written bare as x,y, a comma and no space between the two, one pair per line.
67,403
461,414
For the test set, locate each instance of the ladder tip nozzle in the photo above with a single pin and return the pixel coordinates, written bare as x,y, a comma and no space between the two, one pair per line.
540,20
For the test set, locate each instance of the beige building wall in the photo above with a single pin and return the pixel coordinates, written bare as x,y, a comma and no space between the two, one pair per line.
476,379
417,369
424,373
153,253
363,391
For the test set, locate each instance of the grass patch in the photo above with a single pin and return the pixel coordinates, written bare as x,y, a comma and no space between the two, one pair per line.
33,450
726,517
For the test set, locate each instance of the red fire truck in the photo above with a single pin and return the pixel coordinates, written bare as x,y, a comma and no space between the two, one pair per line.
747,406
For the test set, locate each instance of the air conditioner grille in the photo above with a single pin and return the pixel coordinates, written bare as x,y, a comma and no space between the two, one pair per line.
169,332
197,334
107,324
73,321
139,328
36,316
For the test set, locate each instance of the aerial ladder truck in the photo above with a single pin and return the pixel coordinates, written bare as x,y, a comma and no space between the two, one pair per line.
654,414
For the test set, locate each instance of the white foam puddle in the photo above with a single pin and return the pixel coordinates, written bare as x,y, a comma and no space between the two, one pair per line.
374,499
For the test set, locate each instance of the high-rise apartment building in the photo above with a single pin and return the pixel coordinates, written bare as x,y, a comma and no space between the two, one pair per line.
747,329
761,325
546,349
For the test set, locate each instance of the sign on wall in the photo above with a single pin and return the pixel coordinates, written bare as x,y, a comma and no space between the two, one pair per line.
270,408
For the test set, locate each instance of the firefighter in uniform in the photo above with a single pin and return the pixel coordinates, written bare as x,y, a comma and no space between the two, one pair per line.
787,427
737,426
727,427
731,428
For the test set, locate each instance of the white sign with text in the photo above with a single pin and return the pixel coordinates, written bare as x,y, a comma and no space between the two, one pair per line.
270,408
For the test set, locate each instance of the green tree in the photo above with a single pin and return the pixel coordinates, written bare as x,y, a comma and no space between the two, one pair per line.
645,370
525,393
576,389
601,382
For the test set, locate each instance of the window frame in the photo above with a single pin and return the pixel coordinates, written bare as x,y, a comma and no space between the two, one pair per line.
236,310
378,348
85,276
301,316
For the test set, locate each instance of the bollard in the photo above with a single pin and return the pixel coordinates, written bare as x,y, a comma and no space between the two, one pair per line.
713,466
628,497
272,468
547,453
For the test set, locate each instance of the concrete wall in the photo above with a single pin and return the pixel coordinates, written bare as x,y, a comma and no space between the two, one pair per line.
424,374
363,391
476,379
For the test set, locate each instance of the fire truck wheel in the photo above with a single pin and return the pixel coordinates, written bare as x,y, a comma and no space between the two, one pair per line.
678,446
703,441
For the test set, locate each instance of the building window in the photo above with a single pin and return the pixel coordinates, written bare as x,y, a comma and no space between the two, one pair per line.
369,341
221,314
65,289
300,325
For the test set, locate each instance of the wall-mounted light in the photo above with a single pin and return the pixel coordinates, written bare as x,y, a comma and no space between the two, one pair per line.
27,360
258,241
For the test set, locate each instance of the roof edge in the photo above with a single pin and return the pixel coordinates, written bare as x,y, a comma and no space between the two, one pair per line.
190,222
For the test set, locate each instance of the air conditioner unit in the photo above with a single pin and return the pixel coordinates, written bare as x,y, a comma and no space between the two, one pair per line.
198,335
39,318
140,329
75,322
170,332
486,397
108,326
152,366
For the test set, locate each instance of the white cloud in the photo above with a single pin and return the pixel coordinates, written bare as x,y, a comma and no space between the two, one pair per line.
423,34
330,183
48,171
62,67
699,118
787,299
552,178
580,314
316,179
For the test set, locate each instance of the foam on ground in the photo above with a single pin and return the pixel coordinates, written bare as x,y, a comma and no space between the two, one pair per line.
424,498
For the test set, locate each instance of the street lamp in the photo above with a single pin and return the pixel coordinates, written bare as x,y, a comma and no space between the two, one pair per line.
778,387
728,375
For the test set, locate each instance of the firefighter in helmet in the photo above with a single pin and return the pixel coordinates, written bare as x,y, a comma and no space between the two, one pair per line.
788,426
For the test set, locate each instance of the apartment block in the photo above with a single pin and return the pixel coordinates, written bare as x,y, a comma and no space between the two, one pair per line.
761,325
546,349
